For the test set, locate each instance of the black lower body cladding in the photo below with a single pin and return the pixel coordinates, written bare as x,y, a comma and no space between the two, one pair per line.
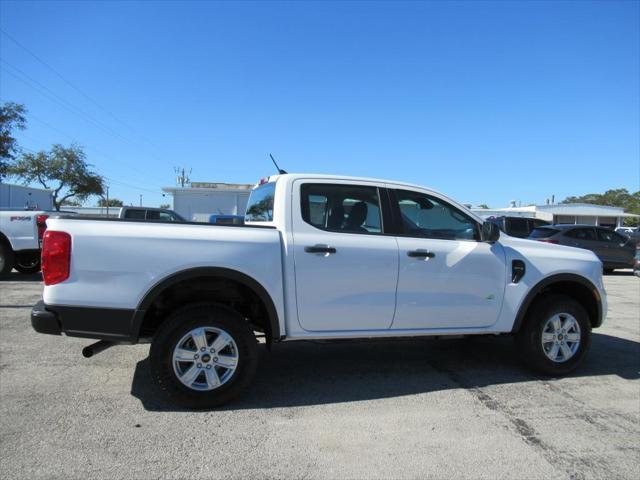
114,324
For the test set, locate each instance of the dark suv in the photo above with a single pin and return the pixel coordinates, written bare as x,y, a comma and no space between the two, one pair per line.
520,227
613,250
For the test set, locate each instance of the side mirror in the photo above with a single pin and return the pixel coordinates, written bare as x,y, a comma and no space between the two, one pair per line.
490,232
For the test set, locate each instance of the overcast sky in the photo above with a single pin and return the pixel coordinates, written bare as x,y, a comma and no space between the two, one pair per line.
485,101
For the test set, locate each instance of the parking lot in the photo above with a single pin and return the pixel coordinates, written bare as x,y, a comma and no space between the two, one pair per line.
385,409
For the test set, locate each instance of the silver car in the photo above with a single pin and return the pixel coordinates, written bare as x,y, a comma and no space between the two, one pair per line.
613,249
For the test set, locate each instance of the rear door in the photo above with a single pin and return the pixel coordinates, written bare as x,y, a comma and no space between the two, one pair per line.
346,268
584,237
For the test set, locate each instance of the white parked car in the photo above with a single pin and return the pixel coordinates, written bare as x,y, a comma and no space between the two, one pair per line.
320,257
20,240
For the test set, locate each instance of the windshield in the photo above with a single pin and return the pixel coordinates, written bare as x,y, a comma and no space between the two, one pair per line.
543,232
260,204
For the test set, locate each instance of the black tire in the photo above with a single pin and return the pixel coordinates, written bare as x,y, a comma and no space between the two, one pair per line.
7,258
180,323
529,338
27,263
608,270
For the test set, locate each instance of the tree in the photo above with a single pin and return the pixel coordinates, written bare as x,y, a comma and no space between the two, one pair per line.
113,202
165,205
70,202
618,197
483,205
12,116
63,170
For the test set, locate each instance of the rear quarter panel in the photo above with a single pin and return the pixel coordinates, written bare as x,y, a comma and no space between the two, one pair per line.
114,264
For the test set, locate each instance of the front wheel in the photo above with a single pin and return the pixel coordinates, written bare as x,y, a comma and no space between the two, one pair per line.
555,336
203,356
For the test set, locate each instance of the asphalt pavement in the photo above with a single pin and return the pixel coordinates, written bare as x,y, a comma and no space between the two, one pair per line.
377,409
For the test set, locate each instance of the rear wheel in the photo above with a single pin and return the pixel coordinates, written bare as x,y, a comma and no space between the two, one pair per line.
555,336
203,356
28,263
6,259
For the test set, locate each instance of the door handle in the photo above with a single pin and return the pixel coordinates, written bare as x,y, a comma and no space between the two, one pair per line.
420,254
320,249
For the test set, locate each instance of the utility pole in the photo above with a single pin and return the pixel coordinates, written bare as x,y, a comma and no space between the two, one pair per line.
107,202
181,176
140,199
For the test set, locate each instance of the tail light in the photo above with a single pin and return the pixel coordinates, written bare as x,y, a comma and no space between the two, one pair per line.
41,223
56,257
549,240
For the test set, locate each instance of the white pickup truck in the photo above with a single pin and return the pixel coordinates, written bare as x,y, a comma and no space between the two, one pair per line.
20,240
320,257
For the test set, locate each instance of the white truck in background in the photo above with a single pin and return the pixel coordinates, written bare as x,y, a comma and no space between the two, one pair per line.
21,234
319,257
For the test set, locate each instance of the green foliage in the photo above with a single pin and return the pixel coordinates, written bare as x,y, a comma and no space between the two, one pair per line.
113,202
618,197
165,205
483,205
12,116
63,170
262,210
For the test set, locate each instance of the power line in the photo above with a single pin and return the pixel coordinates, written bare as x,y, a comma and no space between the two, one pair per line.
47,92
72,85
90,147
50,94
135,187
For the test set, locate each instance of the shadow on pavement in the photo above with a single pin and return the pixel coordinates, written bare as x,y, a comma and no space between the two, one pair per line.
21,277
620,273
306,373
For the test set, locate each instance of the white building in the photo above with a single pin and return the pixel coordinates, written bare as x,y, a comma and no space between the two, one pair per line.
572,213
202,199
19,197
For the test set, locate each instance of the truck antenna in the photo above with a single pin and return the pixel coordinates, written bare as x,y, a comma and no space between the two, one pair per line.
280,171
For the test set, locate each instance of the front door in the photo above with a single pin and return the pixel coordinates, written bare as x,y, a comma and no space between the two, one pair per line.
346,270
448,277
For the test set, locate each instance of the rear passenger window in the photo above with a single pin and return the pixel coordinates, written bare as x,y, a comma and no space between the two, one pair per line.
581,234
341,208
137,214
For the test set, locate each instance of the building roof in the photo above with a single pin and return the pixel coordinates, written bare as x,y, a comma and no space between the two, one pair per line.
570,209
199,187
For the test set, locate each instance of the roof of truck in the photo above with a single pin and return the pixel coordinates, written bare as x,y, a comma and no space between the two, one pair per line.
324,176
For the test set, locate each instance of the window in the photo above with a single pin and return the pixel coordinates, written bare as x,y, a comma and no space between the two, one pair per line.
428,217
610,236
136,214
517,227
160,215
581,234
543,232
260,204
341,208
539,223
